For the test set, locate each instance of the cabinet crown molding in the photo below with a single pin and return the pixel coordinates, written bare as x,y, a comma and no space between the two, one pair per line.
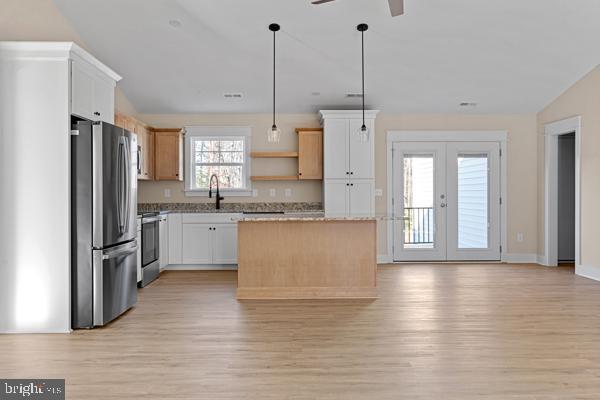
346,114
54,50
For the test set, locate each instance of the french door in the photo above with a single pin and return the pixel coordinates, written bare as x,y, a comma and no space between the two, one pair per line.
446,201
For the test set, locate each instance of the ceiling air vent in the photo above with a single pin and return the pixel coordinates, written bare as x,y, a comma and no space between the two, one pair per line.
468,104
233,95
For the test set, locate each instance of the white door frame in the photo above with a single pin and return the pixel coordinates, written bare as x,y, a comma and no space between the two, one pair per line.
446,136
551,133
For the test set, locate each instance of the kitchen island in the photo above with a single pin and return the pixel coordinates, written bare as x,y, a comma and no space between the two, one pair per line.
306,257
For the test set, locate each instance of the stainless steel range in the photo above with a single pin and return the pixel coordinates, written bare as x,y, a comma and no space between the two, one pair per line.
150,247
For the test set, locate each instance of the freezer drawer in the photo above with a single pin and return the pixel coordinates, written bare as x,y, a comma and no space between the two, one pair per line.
114,281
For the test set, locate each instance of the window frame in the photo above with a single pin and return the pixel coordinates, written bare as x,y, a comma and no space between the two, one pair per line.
217,133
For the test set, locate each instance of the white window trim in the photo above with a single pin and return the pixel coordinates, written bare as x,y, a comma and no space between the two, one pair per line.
217,132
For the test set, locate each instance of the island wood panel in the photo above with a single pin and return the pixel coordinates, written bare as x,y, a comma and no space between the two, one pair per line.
307,259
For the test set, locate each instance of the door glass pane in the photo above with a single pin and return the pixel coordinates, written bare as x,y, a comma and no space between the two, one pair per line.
418,201
472,201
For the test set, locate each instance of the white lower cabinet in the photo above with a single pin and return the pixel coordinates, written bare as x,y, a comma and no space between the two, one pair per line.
163,238
224,249
355,197
202,239
196,244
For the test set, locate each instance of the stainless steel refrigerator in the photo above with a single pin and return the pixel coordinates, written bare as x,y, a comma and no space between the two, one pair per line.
103,223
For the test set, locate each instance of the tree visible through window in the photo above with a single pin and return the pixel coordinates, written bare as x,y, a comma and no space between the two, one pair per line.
224,157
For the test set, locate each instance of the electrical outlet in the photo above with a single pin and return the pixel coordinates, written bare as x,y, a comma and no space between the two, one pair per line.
272,192
288,192
520,237
167,193
254,192
378,192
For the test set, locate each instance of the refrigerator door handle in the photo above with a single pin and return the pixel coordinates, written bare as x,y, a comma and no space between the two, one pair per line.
112,253
127,187
120,186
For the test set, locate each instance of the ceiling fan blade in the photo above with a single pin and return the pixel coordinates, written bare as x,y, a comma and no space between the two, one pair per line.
321,1
396,7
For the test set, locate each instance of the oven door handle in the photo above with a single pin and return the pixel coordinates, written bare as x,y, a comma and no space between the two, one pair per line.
107,255
148,220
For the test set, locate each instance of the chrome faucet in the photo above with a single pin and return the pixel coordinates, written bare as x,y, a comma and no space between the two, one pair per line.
218,196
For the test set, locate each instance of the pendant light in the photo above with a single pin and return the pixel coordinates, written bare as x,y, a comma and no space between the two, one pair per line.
363,133
274,133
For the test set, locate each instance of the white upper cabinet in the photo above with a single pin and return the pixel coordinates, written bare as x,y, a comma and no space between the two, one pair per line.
82,91
361,154
92,91
336,157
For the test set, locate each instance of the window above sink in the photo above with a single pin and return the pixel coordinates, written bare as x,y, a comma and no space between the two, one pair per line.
220,150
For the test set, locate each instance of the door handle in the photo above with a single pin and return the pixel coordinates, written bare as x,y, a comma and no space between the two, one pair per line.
119,252
443,205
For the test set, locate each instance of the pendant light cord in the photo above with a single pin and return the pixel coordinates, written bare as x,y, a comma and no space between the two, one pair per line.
274,79
363,75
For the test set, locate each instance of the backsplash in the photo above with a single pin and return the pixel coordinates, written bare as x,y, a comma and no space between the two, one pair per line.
231,207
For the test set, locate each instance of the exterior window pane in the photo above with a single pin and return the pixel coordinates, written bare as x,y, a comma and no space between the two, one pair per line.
225,158
473,201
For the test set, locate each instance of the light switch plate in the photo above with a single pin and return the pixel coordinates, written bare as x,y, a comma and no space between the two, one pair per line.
288,192
272,192
167,193
520,237
254,192
378,192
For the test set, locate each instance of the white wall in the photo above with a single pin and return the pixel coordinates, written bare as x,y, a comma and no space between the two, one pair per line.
34,177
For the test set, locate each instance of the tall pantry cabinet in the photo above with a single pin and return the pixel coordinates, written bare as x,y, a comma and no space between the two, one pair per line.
349,164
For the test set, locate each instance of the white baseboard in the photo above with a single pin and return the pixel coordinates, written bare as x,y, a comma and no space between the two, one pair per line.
201,267
542,260
520,258
588,272
384,259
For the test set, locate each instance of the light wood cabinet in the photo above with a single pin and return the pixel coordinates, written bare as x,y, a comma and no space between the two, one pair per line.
168,155
310,153
145,144
146,152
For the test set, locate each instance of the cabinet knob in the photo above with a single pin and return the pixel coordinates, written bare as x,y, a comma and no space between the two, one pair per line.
351,173
347,173
352,184
299,173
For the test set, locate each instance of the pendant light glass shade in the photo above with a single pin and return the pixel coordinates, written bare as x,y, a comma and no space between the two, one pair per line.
274,133
363,133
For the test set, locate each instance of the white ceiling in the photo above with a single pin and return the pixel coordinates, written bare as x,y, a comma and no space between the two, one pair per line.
510,56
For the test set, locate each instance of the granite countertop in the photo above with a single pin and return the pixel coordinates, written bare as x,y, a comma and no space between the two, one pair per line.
227,208
298,217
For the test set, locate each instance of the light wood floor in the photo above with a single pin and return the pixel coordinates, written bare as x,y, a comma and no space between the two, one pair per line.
436,332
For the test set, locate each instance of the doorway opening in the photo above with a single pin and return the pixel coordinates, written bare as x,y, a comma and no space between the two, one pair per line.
562,215
566,199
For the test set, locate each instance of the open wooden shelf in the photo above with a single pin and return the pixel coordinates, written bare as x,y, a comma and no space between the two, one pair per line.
274,154
274,178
